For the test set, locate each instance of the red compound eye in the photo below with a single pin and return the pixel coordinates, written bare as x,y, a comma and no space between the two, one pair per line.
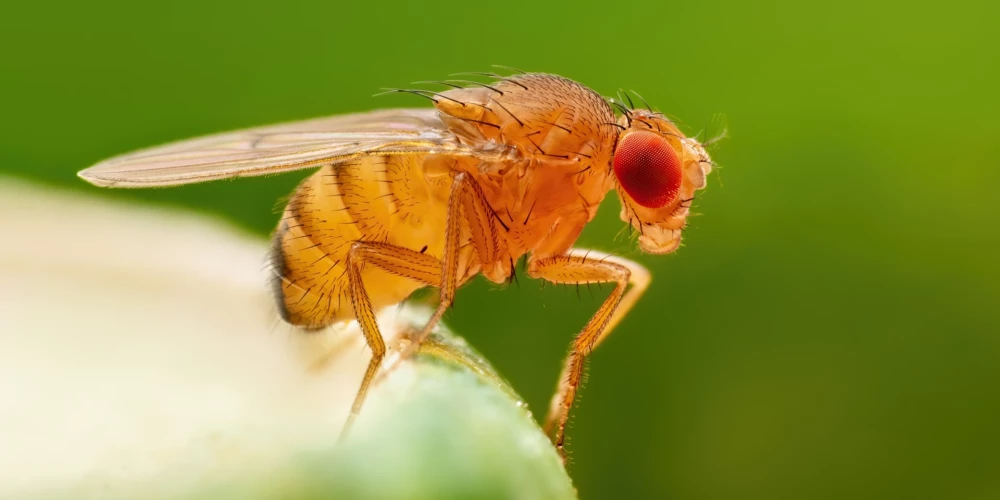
648,168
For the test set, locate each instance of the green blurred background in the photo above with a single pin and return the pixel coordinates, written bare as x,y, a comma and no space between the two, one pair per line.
830,328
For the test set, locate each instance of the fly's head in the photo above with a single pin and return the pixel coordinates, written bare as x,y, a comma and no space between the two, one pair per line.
657,171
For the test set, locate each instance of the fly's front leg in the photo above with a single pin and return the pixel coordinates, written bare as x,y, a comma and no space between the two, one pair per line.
581,267
402,261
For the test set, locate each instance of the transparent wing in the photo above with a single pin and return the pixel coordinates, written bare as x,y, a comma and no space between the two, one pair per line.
279,148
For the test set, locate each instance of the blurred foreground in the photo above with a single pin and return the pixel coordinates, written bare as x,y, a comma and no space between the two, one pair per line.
140,357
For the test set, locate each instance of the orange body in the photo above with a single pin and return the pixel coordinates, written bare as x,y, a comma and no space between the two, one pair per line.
557,139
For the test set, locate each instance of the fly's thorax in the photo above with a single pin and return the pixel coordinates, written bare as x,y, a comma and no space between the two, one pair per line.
561,135
665,168
536,115
542,204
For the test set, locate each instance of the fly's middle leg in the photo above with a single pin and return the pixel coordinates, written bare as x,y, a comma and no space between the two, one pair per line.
466,201
579,267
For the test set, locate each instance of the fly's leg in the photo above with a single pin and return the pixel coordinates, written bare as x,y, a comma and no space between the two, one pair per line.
580,267
467,200
403,261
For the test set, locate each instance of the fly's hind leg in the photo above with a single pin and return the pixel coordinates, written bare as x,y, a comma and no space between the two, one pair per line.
402,261
581,267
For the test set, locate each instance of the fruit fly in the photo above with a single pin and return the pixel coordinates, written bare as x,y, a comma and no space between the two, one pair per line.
407,198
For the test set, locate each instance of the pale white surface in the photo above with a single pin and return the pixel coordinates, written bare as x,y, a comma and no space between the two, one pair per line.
130,337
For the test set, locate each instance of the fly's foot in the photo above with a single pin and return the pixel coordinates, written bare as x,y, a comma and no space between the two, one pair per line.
406,344
556,432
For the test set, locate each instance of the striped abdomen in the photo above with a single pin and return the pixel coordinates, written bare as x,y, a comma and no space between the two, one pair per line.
399,200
